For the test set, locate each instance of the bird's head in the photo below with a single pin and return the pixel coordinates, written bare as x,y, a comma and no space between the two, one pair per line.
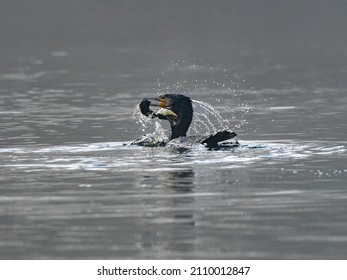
178,111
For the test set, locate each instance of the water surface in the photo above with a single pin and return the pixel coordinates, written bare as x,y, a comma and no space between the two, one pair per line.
73,188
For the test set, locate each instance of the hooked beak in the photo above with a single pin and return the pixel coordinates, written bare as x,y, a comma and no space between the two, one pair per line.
170,115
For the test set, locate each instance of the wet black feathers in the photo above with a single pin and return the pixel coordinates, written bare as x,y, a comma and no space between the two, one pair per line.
212,141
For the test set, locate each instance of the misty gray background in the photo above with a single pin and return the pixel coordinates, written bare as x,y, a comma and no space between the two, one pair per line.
139,36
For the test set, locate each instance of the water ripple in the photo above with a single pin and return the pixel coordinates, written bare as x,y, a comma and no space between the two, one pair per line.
122,156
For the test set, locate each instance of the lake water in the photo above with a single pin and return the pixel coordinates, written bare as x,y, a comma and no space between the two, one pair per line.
72,186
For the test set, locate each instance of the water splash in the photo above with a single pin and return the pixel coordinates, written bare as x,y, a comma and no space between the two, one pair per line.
201,81
206,119
152,128
230,93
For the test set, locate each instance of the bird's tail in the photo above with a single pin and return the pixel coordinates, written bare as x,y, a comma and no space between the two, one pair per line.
213,140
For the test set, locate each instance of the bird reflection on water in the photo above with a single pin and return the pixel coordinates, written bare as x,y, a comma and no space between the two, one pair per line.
176,206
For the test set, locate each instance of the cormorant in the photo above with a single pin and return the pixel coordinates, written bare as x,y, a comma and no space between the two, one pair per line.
179,113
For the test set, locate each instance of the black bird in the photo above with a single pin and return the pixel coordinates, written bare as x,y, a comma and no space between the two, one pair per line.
180,114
